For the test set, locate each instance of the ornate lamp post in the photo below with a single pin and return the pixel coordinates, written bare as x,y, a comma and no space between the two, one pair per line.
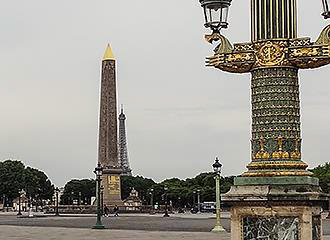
57,190
273,57
194,199
198,201
329,201
102,206
152,211
79,197
326,8
3,202
7,204
19,202
30,207
165,197
98,172
217,170
72,199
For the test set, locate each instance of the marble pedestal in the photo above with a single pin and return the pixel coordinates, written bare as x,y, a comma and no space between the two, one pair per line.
112,187
277,211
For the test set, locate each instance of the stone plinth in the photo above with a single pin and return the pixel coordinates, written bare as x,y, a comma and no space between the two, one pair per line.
283,211
112,187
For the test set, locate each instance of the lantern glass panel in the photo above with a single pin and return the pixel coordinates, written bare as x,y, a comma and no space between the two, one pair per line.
98,170
217,166
216,16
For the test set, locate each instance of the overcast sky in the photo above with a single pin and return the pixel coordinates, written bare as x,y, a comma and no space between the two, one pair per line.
180,114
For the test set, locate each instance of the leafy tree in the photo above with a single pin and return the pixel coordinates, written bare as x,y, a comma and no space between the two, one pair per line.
37,185
204,182
79,189
180,192
14,176
322,172
140,184
11,178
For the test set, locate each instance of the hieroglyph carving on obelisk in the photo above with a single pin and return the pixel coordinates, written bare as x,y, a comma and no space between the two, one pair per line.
108,140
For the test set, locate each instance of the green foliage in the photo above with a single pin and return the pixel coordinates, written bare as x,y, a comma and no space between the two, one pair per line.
77,190
141,184
180,192
183,192
14,176
322,172
11,178
37,184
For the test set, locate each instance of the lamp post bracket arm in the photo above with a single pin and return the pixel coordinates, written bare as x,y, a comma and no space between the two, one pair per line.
224,47
324,37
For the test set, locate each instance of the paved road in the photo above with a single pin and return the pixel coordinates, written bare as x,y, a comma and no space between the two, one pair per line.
186,223
147,223
42,233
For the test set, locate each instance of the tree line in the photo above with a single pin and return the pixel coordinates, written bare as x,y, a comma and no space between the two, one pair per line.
15,176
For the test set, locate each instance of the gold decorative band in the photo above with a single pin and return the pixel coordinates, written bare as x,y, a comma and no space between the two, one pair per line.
277,173
277,165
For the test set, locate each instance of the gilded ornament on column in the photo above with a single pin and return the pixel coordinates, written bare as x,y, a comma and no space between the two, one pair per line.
296,155
262,154
280,153
270,53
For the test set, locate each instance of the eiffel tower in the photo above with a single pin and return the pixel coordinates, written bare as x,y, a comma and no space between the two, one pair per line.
123,153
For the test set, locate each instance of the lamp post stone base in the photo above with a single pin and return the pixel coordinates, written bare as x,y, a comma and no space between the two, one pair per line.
276,211
218,229
98,227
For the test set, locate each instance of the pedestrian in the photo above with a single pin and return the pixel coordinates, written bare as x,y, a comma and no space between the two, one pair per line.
116,210
106,211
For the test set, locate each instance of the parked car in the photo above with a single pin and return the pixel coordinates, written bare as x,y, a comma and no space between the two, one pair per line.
208,207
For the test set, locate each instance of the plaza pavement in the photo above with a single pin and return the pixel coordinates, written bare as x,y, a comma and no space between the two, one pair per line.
42,233
52,233
128,226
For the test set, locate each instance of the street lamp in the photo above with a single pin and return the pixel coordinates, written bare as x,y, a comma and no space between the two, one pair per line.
152,201
216,13
79,198
102,192
194,201
57,190
165,196
98,172
199,201
30,208
329,200
326,9
217,170
19,202
72,198
181,208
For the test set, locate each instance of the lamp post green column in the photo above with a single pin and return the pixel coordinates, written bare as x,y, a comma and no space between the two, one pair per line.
217,170
57,190
277,190
98,171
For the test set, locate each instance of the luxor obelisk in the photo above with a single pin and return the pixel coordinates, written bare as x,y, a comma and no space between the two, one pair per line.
108,141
